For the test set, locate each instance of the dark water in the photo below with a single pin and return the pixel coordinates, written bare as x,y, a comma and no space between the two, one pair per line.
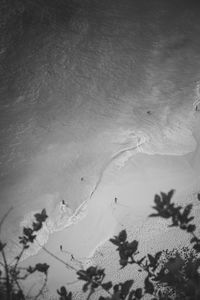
79,80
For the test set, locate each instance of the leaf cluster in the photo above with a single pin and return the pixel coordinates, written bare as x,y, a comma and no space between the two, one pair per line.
29,233
93,277
64,295
127,250
180,216
174,278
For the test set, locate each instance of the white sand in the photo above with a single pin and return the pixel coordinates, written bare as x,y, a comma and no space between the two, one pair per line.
134,185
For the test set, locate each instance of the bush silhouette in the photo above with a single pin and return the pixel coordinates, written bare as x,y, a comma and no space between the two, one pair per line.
168,274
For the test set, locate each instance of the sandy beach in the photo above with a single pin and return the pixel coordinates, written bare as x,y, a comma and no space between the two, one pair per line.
134,186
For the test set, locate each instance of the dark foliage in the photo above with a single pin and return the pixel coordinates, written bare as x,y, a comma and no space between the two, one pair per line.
127,250
180,217
169,275
64,295
13,274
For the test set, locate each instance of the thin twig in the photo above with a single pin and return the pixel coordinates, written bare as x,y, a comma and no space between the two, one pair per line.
5,216
18,258
90,294
19,288
7,274
42,288
57,258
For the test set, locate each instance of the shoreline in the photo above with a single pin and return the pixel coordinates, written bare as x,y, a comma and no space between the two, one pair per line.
80,238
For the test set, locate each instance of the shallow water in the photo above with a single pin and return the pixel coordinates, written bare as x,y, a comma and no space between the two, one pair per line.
76,90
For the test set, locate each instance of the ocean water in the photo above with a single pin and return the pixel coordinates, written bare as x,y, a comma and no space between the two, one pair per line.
85,89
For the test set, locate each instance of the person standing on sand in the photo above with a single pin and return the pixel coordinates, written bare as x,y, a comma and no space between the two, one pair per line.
63,205
196,107
196,104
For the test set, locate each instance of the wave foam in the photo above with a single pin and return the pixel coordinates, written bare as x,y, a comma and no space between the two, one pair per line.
175,138
61,218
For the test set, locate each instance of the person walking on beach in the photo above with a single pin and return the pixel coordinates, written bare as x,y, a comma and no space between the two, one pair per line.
72,257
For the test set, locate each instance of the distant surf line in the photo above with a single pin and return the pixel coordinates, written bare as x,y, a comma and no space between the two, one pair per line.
116,155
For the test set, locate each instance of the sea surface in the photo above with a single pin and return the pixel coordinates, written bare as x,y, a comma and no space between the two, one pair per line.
84,84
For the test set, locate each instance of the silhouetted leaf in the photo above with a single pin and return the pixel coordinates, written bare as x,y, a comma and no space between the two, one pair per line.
116,288
85,287
64,294
122,236
37,226
157,199
183,227
165,198
158,255
69,296
2,245
94,285
171,193
154,215
125,288
82,275
106,286
91,271
197,247
114,241
31,269
191,228
29,236
123,262
151,259
175,264
149,287
194,240
62,291
27,231
43,268
133,246
41,217
138,293
186,211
